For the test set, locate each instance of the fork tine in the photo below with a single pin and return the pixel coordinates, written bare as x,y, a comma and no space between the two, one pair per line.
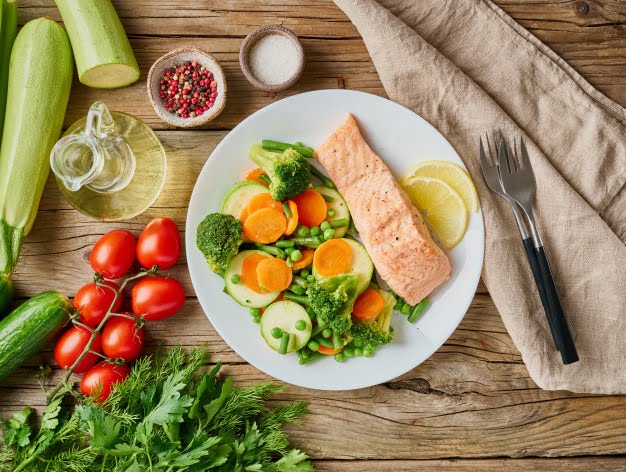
503,157
483,157
490,156
524,155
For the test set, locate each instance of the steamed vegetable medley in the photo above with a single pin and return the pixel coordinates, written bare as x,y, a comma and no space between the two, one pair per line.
286,250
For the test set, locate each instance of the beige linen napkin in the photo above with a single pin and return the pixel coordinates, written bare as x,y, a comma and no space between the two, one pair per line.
468,68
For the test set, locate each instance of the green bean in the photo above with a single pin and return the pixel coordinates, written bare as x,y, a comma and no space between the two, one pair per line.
300,325
300,355
289,263
311,313
300,281
398,305
340,223
265,178
351,227
417,310
284,343
328,198
406,309
296,255
313,345
337,341
305,353
325,225
331,212
278,146
321,323
303,232
296,289
313,357
329,234
287,210
324,342
288,250
285,243
303,300
274,251
236,278
317,330
277,332
325,180
312,240
339,357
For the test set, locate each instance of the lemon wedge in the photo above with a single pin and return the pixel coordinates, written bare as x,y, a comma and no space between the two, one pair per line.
452,174
442,207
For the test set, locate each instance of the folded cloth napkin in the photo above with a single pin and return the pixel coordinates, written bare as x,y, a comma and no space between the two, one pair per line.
468,68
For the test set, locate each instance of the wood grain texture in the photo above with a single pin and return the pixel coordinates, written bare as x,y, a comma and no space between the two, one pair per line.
473,399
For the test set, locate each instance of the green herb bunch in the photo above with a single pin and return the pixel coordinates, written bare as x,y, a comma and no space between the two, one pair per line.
166,416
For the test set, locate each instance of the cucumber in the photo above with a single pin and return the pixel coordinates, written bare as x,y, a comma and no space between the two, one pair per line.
240,293
361,265
103,54
40,78
25,331
285,315
339,205
239,195
6,293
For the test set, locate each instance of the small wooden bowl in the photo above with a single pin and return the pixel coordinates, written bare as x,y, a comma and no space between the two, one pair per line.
179,56
250,41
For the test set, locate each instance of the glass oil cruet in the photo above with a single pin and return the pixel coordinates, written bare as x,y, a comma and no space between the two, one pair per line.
109,165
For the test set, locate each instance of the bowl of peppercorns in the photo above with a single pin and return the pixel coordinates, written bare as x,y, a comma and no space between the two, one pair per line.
187,87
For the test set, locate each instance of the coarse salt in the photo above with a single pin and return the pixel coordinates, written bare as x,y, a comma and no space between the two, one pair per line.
274,59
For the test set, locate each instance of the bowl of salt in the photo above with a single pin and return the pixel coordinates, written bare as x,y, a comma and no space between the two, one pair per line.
272,58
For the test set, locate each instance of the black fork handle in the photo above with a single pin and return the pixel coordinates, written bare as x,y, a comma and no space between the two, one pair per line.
531,254
562,334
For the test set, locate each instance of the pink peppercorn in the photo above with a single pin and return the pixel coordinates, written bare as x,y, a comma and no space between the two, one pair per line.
188,89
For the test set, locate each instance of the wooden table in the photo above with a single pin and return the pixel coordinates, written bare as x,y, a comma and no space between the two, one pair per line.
472,405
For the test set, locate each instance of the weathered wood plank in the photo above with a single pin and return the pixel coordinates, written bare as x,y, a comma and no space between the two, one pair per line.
584,464
472,398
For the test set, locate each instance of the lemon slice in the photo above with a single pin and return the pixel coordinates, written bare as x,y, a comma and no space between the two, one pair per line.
442,207
452,174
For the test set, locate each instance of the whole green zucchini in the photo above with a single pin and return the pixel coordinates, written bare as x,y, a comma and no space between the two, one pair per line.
25,331
103,54
40,78
8,30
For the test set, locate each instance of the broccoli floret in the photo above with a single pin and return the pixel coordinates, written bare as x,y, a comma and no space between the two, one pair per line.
219,238
378,330
332,300
288,171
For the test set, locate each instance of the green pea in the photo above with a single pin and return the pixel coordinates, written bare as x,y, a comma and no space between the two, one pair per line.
358,351
289,263
398,305
303,232
277,332
367,352
357,343
327,333
257,319
310,278
331,212
296,289
339,357
321,323
288,250
315,231
329,234
300,325
235,279
348,351
296,255
255,311
325,225
406,309
313,345
304,273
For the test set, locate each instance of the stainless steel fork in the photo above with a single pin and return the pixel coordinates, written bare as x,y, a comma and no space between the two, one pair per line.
517,180
489,163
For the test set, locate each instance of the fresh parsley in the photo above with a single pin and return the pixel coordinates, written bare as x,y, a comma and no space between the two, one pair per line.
167,416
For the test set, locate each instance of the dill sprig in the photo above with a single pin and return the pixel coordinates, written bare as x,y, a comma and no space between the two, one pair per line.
170,414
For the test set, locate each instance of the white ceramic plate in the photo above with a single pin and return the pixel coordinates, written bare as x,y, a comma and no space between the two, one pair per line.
402,139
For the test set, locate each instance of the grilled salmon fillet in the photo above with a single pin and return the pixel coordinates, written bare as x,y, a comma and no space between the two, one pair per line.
392,229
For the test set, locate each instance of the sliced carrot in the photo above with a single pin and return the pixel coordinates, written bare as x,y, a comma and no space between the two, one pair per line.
253,174
248,272
312,208
260,200
274,274
332,258
265,226
328,351
368,305
292,223
307,258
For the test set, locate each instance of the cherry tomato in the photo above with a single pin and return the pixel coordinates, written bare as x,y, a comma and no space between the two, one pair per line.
121,338
155,298
93,302
159,244
114,254
71,345
106,374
